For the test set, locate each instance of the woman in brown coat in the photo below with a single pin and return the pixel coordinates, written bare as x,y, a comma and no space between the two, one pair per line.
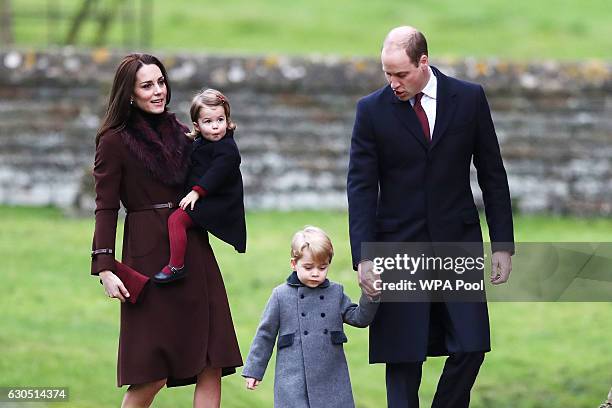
176,334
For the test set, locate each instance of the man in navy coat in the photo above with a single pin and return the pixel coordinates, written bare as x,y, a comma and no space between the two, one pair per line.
409,181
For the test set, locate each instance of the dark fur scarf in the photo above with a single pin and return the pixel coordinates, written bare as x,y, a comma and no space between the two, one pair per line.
159,142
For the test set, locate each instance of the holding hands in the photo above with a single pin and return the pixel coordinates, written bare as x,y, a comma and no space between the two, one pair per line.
189,200
365,270
251,383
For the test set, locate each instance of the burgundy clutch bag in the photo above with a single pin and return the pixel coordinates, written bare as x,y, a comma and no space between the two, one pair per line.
133,281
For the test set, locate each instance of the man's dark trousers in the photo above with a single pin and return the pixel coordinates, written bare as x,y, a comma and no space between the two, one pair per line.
456,381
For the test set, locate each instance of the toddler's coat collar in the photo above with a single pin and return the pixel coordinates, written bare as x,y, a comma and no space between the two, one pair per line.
199,140
293,280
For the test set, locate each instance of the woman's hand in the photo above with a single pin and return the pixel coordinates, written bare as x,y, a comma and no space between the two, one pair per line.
189,199
251,383
113,286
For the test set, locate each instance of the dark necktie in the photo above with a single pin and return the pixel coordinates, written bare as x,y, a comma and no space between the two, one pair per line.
420,112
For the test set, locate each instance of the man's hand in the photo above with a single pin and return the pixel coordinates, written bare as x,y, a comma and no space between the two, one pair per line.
113,286
189,199
251,383
365,271
501,266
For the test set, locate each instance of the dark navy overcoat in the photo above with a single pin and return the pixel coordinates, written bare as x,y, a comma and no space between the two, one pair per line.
402,188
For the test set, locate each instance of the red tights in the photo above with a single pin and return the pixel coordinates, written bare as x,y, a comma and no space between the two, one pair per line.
178,224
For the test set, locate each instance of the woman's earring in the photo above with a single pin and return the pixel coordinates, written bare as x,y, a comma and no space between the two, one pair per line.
131,101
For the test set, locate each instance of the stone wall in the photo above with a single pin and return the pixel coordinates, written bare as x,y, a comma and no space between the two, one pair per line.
294,116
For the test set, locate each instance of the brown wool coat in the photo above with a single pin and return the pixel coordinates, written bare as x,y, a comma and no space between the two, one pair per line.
173,331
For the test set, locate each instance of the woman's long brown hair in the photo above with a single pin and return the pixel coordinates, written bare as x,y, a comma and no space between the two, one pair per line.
119,108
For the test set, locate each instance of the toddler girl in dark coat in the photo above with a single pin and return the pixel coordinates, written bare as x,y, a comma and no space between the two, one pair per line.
215,200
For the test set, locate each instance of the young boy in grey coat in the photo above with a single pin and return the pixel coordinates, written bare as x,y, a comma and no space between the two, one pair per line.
307,313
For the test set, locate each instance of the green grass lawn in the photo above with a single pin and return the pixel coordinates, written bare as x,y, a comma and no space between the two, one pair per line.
522,29
58,328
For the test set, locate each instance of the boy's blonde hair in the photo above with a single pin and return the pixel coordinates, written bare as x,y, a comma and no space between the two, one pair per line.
315,240
209,97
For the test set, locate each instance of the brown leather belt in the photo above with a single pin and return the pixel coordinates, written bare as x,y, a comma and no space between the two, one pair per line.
151,207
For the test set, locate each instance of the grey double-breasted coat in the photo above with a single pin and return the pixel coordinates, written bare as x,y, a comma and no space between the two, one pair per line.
311,369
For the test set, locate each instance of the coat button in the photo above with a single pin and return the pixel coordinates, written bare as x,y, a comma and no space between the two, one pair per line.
325,331
303,314
322,314
305,332
321,297
302,296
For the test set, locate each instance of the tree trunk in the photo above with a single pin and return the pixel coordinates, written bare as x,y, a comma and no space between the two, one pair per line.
6,23
105,21
78,20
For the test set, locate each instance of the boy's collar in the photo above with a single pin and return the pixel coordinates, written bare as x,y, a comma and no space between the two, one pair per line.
293,280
